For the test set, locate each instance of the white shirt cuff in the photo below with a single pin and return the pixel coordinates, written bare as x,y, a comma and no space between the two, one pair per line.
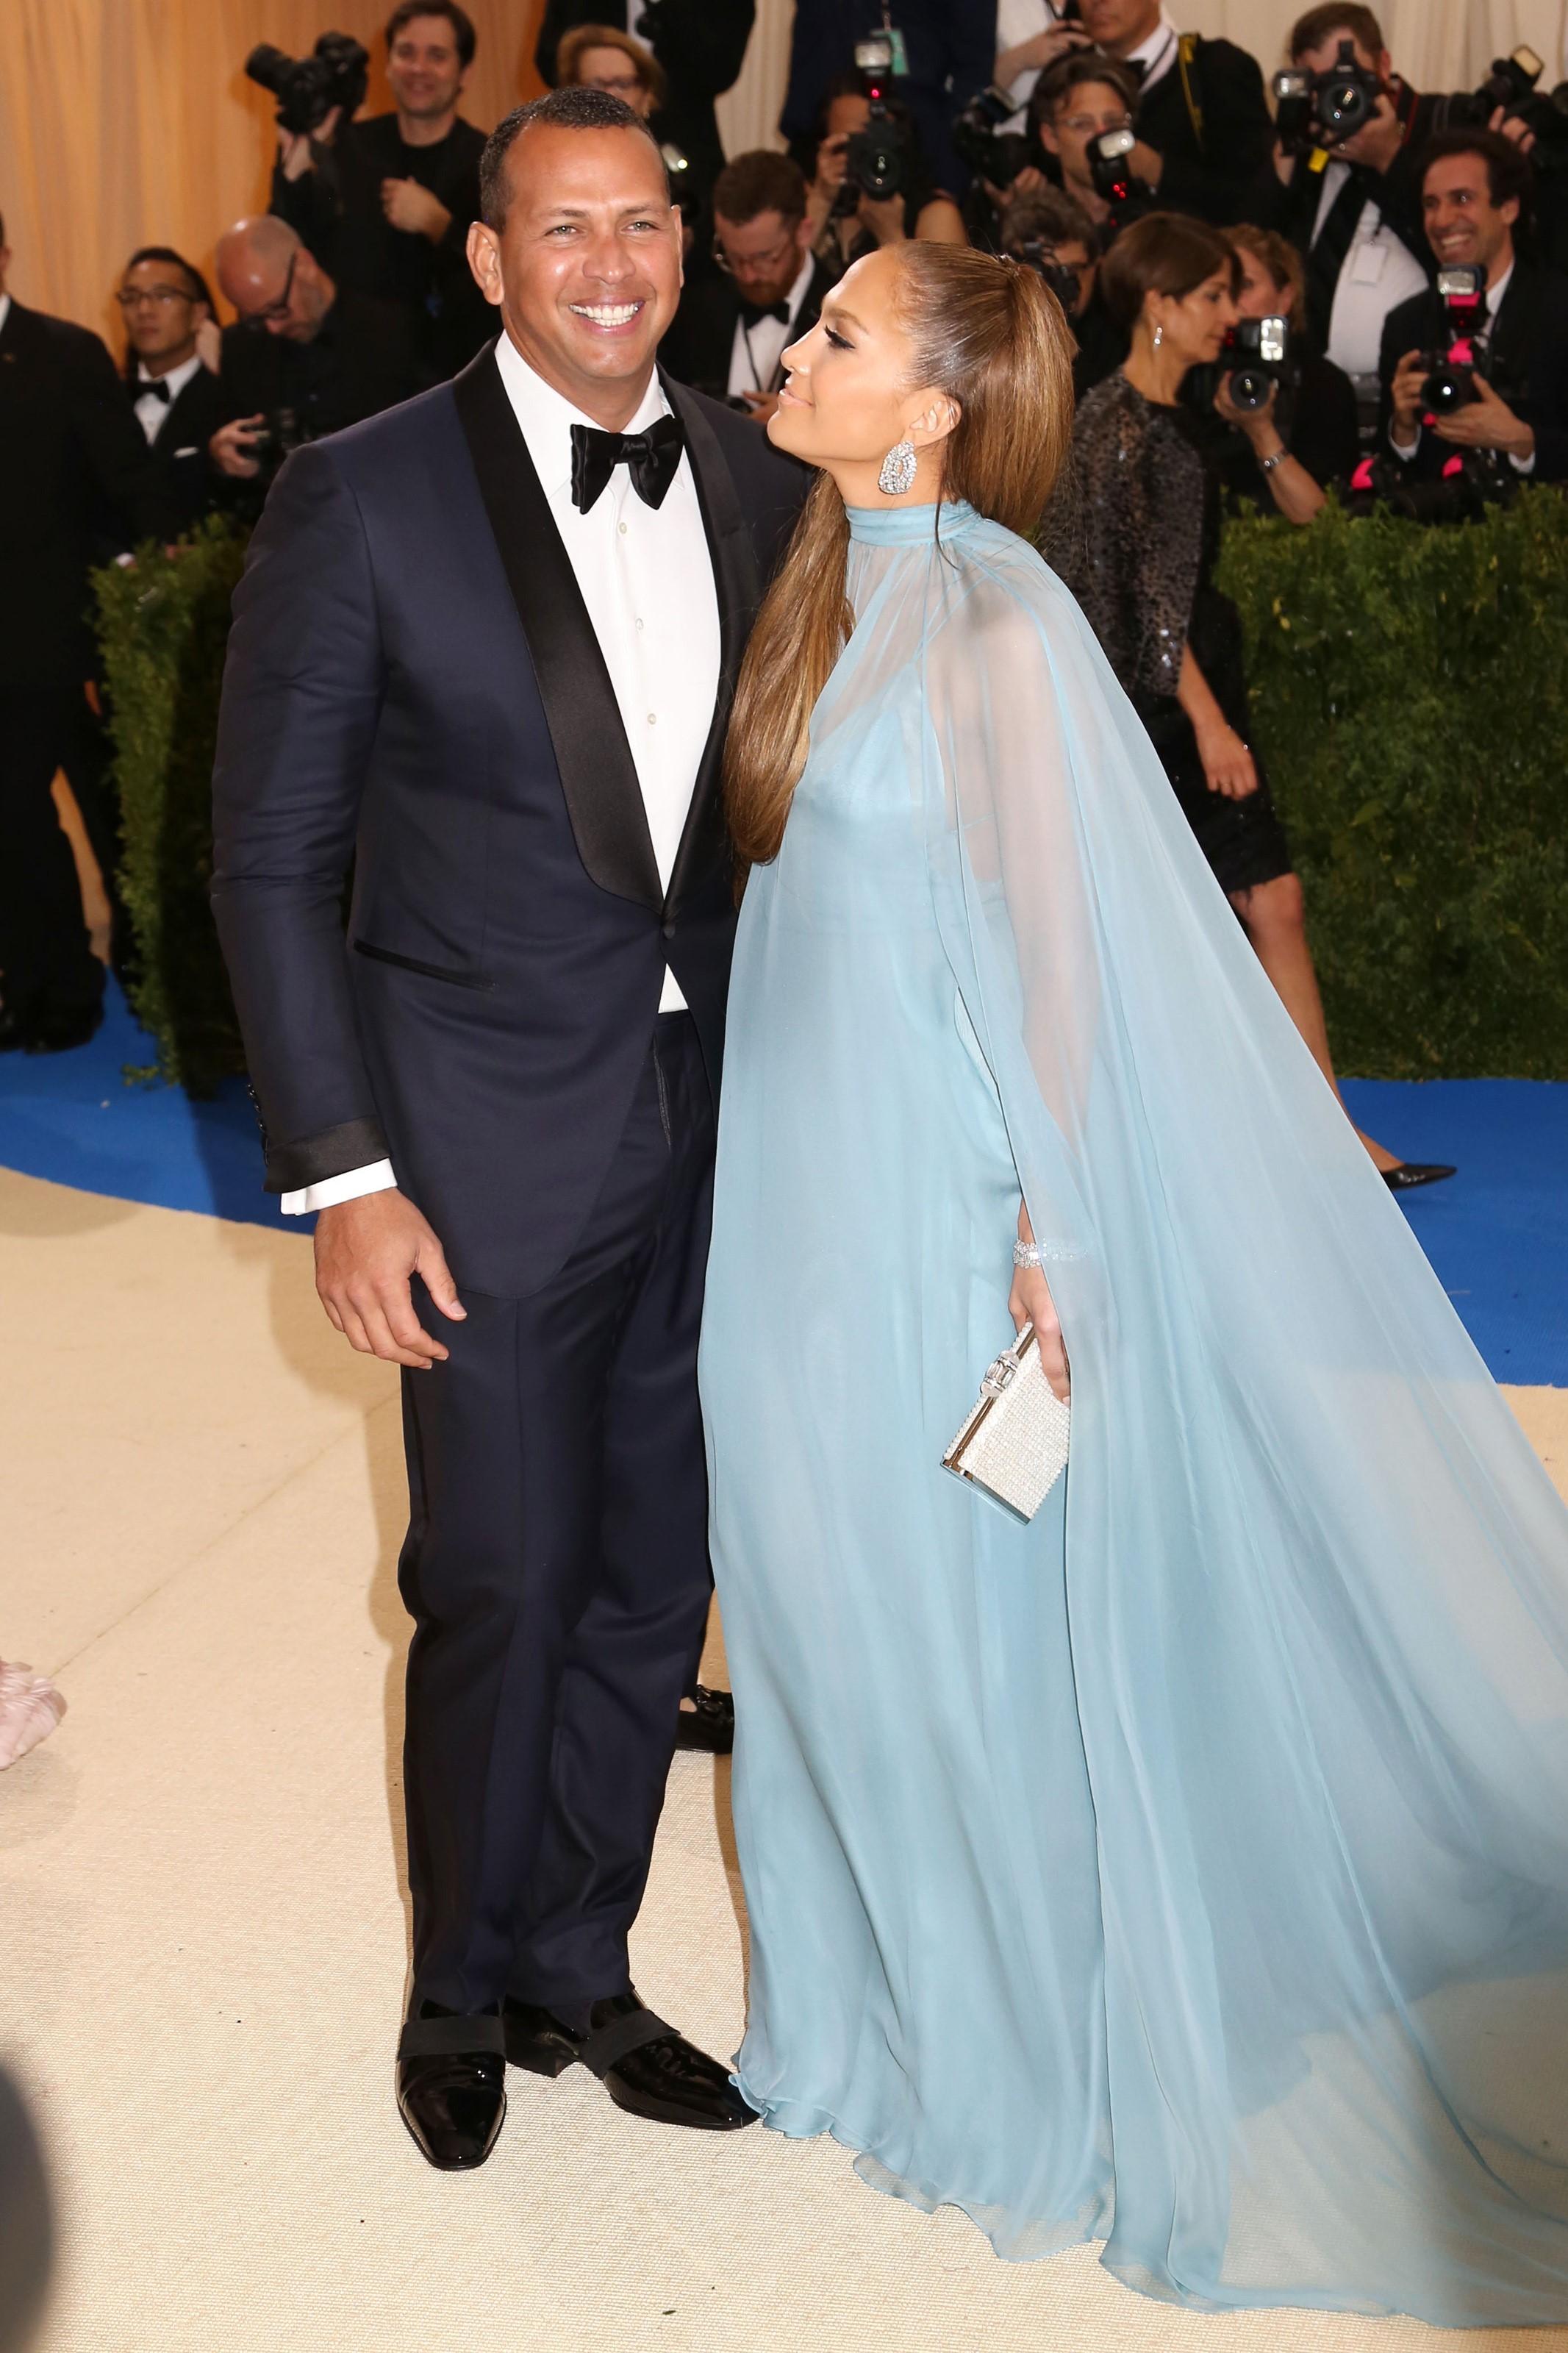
376,1176
1522,465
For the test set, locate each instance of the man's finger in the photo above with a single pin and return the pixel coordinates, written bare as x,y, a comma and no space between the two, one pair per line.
334,1316
383,1345
353,1331
406,1329
432,1265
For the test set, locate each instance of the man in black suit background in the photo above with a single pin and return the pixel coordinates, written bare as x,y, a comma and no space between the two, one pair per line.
76,488
733,324
304,356
1475,187
171,333
385,204
943,56
701,45
1202,122
484,647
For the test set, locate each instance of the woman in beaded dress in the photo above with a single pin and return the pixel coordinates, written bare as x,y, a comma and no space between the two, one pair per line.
1186,1868
1135,532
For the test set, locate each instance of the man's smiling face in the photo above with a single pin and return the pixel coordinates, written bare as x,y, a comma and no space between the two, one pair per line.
586,266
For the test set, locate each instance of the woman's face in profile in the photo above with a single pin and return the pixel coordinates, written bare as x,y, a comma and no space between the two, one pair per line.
1197,324
847,384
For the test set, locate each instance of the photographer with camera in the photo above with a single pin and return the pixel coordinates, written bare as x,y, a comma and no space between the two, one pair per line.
1475,371
305,357
384,205
698,46
871,185
729,333
1203,131
939,54
1290,413
1140,553
1083,110
1055,235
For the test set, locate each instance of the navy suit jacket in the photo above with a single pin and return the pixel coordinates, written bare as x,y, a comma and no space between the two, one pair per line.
413,682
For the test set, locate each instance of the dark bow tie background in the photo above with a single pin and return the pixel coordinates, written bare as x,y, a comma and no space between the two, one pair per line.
156,386
754,313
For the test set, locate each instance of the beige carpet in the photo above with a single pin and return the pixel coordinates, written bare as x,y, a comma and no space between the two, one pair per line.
201,1935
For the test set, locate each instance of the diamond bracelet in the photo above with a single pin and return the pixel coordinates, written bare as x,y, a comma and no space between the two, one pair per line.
1039,1254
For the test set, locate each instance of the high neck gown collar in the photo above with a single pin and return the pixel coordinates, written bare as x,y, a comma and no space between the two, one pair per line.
907,526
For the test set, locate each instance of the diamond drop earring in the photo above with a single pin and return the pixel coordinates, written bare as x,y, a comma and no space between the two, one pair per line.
897,479
1159,337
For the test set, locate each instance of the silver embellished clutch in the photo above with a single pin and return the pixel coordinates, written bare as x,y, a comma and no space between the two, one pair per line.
1013,1442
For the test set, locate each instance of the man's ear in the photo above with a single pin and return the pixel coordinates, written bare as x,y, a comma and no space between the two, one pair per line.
484,260
1048,139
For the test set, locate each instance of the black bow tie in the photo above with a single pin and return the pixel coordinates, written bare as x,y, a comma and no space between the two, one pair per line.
156,386
754,313
650,458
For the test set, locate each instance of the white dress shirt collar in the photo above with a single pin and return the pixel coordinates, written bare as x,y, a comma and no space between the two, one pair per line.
1496,292
1157,54
176,379
4,311
547,417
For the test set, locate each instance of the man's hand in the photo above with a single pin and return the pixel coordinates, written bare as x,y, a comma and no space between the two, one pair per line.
231,447
1514,127
294,147
1487,423
1378,140
884,217
366,1251
761,404
1227,762
412,208
1146,163
1405,424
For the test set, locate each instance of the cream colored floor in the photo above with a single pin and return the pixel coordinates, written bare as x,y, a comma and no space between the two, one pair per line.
201,1935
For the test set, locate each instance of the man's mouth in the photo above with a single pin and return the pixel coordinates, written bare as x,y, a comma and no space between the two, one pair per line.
608,318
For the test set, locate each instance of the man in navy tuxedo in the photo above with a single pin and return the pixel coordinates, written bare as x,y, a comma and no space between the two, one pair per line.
485,645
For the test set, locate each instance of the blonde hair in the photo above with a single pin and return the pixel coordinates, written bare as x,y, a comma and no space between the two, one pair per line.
1279,258
991,335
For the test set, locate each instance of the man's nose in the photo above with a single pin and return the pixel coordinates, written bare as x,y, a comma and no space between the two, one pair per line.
608,260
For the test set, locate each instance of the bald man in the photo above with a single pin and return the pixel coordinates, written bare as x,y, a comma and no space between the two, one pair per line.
305,356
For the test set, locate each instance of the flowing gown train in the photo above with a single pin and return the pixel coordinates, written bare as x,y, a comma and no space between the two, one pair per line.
1188,1869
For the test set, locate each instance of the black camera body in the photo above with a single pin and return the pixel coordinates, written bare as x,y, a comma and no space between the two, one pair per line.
336,73
1114,177
1059,276
1257,355
877,162
1513,84
1450,382
1324,109
993,155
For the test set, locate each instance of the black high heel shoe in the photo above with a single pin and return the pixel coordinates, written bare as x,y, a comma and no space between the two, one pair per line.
1411,1172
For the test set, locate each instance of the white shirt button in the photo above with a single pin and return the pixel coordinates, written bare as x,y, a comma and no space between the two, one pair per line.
653,719
639,624
623,530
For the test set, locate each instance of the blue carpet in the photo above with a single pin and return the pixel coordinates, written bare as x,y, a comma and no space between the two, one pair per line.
1496,1234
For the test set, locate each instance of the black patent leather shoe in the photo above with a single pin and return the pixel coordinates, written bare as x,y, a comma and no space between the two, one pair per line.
451,2086
1411,1172
710,1724
646,2067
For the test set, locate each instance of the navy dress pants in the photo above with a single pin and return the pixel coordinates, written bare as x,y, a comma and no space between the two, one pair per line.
556,1568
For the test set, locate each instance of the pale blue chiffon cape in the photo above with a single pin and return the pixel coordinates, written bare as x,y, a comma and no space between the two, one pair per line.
1188,1869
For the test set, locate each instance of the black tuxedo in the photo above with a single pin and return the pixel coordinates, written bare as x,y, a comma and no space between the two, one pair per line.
1208,121
701,44
76,487
413,680
702,335
1293,210
1528,344
187,481
364,357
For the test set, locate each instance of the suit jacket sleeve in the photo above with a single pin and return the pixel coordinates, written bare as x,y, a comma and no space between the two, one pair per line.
553,26
121,467
1545,410
1217,180
701,44
301,695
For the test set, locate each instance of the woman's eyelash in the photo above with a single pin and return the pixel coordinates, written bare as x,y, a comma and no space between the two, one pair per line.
842,343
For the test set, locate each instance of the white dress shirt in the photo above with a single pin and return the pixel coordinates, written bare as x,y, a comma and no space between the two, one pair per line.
755,354
1018,21
1379,273
4,311
1404,451
1157,54
647,578
150,410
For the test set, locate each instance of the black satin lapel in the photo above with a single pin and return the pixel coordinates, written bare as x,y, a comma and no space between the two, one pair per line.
739,587
598,775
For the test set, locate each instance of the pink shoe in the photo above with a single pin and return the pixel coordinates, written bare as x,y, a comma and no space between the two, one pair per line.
30,1707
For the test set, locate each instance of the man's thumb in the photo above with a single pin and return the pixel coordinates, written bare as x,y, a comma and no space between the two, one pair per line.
438,1281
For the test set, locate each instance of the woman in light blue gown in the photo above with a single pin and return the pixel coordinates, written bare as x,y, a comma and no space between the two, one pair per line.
1188,1868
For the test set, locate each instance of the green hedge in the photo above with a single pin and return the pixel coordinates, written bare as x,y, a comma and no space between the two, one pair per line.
1410,687
162,624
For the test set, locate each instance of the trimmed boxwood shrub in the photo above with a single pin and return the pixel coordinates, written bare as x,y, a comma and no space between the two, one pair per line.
1410,692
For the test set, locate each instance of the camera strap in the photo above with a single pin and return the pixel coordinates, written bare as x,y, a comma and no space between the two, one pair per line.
1186,65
